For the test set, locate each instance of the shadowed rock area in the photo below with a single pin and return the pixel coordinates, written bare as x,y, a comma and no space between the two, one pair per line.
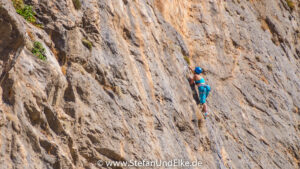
113,86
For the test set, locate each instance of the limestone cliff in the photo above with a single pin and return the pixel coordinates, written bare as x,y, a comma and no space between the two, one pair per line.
113,85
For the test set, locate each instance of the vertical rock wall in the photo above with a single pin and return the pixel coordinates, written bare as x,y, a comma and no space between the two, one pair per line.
128,98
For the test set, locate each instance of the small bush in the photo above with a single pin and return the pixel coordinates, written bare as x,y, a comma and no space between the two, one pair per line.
290,4
39,51
77,4
187,59
28,13
87,44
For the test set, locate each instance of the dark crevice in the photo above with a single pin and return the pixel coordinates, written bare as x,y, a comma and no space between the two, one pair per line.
69,94
60,45
53,121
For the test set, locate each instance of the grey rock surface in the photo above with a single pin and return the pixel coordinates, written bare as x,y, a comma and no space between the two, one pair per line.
127,98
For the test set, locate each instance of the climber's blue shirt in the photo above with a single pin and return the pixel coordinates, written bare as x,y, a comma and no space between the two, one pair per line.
203,92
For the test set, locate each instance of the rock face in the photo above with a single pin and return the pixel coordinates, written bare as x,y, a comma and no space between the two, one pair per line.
127,97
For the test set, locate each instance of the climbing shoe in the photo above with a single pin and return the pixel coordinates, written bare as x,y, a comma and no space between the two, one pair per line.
205,115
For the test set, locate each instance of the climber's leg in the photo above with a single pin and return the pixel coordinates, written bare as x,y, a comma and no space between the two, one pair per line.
191,80
194,90
203,103
204,108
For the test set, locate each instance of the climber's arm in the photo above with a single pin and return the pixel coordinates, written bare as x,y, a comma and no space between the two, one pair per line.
192,70
192,80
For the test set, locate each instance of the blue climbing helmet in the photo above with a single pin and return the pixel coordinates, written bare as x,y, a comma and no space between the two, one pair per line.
198,70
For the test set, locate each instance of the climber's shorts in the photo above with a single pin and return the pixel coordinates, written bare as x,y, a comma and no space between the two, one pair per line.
202,94
202,102
202,98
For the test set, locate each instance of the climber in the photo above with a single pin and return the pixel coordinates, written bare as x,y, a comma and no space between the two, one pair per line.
195,79
203,89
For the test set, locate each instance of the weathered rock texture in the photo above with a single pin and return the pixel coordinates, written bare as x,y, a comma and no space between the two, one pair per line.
128,97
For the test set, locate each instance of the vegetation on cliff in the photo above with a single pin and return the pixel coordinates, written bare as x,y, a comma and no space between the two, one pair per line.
27,12
39,51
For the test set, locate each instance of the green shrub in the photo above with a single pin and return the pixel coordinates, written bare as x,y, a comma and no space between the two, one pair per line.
77,4
87,44
38,50
187,59
28,13
290,4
